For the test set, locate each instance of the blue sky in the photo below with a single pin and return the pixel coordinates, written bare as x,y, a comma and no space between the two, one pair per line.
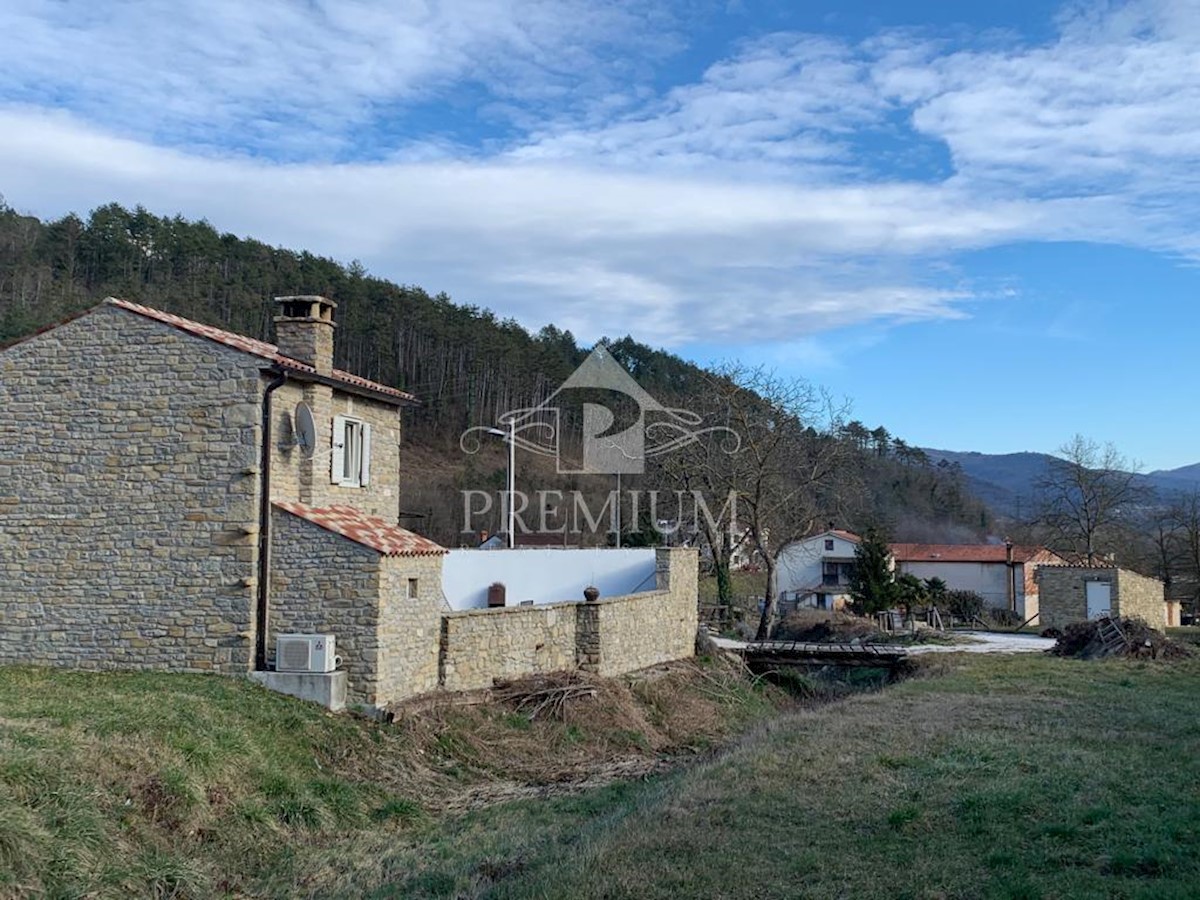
977,221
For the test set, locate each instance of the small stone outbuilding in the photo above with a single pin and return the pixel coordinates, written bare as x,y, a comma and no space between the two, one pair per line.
1078,593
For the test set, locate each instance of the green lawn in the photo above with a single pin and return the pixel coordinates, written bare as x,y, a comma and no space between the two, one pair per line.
1189,634
990,777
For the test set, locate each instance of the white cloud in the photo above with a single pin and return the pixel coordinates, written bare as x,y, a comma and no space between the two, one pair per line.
295,77
595,251
786,100
1111,109
744,204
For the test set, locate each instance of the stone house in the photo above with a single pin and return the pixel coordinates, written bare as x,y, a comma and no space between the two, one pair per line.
1075,593
173,495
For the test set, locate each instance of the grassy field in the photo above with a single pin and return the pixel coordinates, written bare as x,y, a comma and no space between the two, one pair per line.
144,784
993,777
743,584
1188,634
1016,777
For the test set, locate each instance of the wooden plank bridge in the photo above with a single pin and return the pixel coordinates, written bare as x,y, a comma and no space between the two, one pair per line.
774,654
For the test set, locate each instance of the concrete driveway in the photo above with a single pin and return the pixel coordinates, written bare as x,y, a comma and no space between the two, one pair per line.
979,642
988,642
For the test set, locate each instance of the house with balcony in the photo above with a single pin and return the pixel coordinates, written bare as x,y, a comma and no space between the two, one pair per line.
815,573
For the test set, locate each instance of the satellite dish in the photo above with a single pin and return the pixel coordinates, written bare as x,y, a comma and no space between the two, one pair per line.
305,428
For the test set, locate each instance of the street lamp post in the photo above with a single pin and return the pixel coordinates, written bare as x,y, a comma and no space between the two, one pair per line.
511,437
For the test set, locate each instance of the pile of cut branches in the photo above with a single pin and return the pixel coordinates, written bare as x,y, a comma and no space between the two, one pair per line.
1082,640
545,696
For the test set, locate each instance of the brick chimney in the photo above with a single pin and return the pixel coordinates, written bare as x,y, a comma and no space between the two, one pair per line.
304,330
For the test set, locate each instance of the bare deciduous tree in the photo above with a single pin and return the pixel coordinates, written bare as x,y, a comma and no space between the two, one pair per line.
788,471
1085,492
1186,516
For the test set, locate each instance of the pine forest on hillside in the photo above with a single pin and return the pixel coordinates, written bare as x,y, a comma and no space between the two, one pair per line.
466,364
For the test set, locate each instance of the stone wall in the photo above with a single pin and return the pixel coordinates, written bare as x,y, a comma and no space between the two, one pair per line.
646,629
1141,597
1062,594
480,645
323,583
308,479
611,636
127,517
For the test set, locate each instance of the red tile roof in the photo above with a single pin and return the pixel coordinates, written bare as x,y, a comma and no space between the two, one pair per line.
256,347
845,535
362,528
976,553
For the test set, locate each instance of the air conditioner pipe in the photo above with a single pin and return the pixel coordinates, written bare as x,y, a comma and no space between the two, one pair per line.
264,527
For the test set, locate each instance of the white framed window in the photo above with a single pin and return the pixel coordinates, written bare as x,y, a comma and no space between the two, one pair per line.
351,465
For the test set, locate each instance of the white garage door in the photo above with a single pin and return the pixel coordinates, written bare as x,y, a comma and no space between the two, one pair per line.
1099,599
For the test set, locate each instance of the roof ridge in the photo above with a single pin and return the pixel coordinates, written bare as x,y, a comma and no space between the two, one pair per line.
253,346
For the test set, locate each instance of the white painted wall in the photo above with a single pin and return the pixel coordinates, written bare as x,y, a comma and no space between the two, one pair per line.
544,575
800,564
989,580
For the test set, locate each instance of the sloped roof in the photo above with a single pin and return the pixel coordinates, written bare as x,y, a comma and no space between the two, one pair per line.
1071,560
262,349
363,528
966,553
845,535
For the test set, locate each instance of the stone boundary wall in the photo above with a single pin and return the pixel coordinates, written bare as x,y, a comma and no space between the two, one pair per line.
612,636
480,645
646,629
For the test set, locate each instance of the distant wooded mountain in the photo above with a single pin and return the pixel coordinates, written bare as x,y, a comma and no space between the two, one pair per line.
1005,481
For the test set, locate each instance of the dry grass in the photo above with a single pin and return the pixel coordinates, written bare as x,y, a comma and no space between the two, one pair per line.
123,784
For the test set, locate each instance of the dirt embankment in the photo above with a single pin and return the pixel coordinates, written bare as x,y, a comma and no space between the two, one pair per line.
565,732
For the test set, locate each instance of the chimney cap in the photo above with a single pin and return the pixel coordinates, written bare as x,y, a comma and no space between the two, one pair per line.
305,308
306,298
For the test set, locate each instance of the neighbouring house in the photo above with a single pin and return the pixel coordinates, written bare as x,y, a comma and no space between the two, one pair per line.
815,572
563,540
173,495
1003,574
1076,593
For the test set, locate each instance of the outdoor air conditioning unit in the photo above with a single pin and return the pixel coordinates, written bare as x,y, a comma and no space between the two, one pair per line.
305,653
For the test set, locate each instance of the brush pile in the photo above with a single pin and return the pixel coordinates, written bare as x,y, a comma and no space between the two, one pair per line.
1121,637
545,696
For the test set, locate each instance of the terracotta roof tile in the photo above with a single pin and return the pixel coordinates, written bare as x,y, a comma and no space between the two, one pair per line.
845,535
362,528
269,352
977,553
